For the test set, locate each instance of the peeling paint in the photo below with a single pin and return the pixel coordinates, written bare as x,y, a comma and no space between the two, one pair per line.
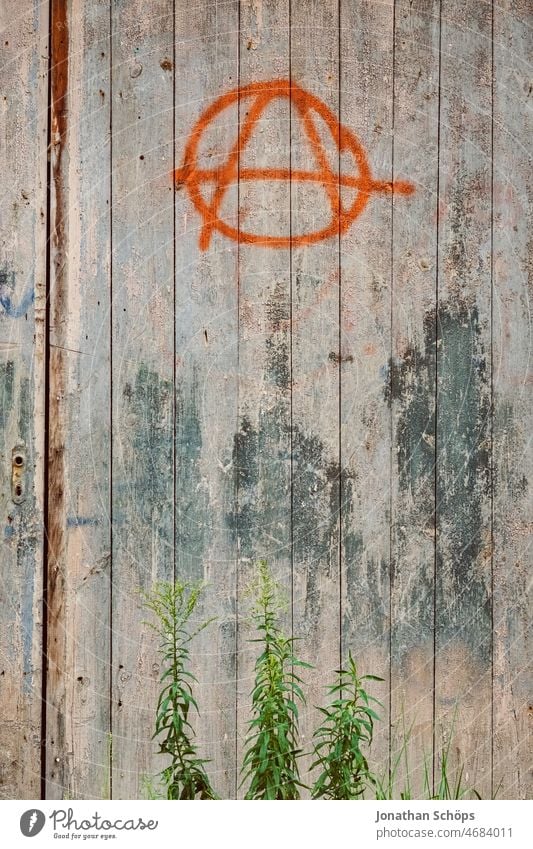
277,342
512,443
25,411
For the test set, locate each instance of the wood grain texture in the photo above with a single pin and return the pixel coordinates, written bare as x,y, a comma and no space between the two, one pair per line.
206,381
463,575
356,411
513,507
262,447
412,385
23,98
366,107
315,366
142,370
58,717
78,716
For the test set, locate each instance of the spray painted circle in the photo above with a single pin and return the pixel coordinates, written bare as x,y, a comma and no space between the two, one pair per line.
307,107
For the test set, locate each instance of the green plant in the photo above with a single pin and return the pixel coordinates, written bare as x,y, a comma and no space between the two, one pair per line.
271,748
386,784
442,786
447,787
149,789
346,730
172,605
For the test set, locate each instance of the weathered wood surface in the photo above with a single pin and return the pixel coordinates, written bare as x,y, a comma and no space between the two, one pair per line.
262,453
463,663
207,64
79,562
512,406
23,104
355,411
314,52
142,351
366,105
412,385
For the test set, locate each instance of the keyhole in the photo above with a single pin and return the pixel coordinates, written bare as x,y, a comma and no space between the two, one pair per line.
18,463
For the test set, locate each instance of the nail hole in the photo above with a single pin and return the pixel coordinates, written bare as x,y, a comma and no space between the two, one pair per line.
18,460
18,489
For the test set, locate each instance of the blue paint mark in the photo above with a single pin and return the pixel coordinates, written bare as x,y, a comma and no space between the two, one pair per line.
80,521
7,287
9,531
14,311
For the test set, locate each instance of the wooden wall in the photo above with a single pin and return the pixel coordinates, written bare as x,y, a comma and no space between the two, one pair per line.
177,400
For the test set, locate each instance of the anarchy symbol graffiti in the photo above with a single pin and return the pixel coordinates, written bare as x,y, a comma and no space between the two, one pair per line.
309,108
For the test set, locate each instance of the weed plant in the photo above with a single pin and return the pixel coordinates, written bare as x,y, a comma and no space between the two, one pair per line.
172,605
443,786
346,731
270,766
271,755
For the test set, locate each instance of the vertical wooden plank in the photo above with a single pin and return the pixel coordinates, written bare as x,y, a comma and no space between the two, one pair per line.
79,555
142,369
412,385
463,588
315,352
262,448
512,403
366,108
23,128
207,52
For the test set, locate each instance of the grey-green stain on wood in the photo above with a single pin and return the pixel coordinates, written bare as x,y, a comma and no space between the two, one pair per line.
7,373
23,89
463,483
192,493
147,404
